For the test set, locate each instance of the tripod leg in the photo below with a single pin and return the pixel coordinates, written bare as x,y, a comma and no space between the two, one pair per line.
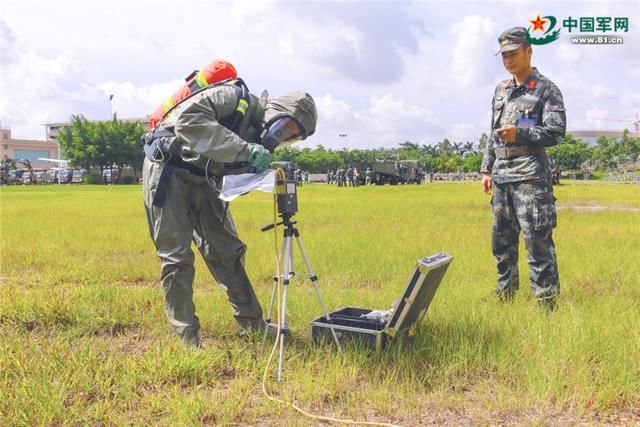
281,326
273,295
314,280
291,264
275,282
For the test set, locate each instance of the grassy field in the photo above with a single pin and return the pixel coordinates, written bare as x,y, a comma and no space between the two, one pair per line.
84,339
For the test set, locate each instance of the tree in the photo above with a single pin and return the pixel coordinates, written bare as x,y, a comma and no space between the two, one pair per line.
126,136
472,163
467,149
429,150
482,143
605,154
444,148
101,144
409,150
458,148
77,142
570,154
628,148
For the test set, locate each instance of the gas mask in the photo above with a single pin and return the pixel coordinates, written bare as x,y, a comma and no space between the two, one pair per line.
281,131
288,118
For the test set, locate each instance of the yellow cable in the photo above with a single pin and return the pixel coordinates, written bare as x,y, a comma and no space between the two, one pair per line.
280,173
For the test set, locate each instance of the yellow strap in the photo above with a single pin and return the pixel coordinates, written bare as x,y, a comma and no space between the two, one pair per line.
168,104
242,106
202,82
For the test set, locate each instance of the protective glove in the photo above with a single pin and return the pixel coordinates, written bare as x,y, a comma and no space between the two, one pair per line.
259,157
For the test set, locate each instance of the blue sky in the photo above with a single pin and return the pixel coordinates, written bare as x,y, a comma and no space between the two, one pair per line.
381,72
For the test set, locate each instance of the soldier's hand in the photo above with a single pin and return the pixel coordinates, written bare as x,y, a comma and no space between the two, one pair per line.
507,134
259,157
486,183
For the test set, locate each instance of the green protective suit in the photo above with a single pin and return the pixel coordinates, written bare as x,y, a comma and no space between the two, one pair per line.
192,211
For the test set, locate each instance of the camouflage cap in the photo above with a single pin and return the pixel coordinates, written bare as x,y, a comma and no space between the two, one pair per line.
297,104
512,39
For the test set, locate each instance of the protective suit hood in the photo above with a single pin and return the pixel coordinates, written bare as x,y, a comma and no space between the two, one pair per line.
257,106
299,105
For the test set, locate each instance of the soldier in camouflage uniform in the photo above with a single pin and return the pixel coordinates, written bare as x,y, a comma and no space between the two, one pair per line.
340,175
528,115
349,176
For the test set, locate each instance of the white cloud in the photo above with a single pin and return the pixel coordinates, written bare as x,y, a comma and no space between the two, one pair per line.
385,121
474,41
132,99
333,110
595,115
568,54
395,71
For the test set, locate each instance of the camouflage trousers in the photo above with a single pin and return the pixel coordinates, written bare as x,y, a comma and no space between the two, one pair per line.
527,206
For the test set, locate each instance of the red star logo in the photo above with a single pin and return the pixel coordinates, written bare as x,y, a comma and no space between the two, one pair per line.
538,24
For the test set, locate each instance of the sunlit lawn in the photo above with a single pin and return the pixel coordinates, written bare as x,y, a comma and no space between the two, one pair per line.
84,338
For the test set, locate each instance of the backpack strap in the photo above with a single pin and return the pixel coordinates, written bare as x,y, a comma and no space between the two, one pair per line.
242,91
233,121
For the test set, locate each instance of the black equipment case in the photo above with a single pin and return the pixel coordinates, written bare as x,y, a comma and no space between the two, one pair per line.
349,323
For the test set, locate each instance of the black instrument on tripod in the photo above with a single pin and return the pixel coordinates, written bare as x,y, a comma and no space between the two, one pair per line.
287,201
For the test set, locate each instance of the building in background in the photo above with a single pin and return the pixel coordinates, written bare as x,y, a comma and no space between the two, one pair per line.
591,136
29,149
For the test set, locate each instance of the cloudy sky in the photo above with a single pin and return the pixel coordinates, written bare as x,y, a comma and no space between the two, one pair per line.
381,72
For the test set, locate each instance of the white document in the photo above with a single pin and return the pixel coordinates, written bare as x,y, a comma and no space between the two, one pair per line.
237,185
378,315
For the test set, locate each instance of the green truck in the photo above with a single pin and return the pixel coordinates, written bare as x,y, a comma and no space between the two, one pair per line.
391,172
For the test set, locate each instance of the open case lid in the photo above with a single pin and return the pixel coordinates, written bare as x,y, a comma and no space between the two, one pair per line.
419,292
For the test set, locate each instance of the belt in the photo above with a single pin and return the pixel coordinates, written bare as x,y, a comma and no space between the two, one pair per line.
523,150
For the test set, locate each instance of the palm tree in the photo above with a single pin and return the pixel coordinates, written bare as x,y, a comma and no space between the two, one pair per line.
467,148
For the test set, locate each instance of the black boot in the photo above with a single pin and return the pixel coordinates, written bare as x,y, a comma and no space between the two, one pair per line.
506,295
191,340
548,304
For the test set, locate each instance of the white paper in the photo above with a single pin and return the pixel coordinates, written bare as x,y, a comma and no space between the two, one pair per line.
378,315
237,185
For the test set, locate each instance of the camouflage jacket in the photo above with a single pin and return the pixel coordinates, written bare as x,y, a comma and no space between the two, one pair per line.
539,100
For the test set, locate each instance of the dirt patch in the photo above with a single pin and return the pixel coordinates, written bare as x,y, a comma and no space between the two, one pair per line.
477,416
134,345
600,208
113,329
41,323
140,282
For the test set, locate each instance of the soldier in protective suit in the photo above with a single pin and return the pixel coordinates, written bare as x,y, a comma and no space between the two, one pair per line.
220,130
528,115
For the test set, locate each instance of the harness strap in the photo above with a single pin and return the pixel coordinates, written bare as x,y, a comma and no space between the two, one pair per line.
242,91
163,183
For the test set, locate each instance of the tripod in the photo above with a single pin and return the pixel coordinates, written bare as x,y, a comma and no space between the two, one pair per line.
287,268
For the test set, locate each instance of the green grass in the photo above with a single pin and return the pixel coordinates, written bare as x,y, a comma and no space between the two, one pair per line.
85,340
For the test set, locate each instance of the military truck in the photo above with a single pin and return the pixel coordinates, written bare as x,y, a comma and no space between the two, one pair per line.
392,172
